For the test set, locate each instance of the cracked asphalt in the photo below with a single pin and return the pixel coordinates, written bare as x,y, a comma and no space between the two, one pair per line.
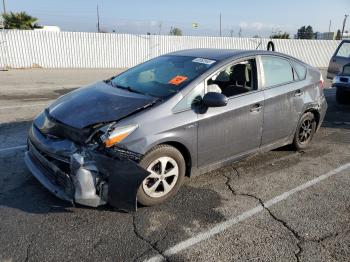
310,225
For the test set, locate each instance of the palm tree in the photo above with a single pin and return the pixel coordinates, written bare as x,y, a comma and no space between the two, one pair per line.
20,20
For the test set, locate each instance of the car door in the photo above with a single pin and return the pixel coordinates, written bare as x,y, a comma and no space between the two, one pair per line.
234,129
283,98
339,59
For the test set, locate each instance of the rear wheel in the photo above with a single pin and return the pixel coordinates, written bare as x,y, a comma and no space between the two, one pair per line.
341,96
167,167
305,131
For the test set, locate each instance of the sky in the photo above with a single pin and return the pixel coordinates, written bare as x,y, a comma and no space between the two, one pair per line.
250,17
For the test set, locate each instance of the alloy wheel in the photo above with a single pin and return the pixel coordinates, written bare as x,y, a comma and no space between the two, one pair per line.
305,131
164,172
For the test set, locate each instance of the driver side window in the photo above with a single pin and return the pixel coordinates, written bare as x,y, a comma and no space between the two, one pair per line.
235,79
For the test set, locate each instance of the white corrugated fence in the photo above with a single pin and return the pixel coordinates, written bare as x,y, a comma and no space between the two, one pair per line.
25,49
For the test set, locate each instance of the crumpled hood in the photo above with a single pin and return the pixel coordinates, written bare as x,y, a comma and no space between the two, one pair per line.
97,103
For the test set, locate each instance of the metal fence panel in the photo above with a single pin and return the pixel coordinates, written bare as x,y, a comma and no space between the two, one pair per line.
23,49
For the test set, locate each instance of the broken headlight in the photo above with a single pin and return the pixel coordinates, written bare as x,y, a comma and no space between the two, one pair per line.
117,134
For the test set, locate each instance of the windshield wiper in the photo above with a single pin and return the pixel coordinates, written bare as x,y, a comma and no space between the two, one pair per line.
129,88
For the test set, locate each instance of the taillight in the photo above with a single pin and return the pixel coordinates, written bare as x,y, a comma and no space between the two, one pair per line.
321,83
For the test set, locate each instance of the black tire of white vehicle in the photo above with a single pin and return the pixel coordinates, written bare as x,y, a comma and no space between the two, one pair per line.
174,161
305,131
340,96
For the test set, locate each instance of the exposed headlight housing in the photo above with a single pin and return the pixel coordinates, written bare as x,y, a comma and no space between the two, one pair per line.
118,134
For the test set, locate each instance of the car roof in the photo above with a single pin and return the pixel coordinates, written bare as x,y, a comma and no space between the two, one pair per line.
220,54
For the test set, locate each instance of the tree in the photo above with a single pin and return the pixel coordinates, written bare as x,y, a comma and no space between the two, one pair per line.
21,20
175,31
280,35
305,32
338,36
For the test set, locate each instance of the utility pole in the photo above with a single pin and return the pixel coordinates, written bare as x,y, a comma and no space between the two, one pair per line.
98,20
4,6
344,22
329,28
220,24
160,27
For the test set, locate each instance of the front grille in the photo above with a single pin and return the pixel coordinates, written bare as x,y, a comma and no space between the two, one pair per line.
51,170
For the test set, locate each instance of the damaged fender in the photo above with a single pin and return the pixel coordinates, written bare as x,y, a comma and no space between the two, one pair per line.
116,179
124,180
90,178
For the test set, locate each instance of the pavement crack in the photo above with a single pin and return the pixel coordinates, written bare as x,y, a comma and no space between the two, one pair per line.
289,228
229,180
295,234
153,246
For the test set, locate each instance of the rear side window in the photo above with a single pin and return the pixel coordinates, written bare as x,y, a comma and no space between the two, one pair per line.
344,50
300,69
277,71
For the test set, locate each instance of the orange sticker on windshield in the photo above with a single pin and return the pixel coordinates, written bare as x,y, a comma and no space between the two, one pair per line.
177,80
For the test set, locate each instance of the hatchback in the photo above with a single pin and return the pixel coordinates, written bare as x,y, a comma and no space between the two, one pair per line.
133,138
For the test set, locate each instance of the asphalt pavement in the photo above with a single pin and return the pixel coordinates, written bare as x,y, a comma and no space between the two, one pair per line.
276,206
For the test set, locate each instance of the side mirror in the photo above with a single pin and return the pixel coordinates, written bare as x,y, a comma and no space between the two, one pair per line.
213,99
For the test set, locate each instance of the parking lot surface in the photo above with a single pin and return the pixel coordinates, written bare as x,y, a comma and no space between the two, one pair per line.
277,206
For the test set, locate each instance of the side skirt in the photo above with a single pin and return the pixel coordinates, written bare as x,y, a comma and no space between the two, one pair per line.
236,158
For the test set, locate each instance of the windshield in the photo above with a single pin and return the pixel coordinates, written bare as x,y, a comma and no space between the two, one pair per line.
162,76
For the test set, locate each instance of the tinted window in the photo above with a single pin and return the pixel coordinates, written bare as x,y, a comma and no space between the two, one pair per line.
300,69
344,50
162,76
276,71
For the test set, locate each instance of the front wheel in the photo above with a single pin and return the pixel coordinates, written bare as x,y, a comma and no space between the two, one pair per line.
305,131
167,167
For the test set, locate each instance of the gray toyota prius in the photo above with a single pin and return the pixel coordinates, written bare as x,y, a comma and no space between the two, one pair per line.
133,138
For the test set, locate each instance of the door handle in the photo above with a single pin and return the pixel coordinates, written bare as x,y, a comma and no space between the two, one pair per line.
298,93
256,108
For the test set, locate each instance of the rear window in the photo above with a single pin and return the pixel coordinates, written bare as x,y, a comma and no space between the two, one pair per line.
344,50
300,69
277,71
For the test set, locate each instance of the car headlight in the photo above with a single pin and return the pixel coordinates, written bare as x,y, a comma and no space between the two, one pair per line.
118,134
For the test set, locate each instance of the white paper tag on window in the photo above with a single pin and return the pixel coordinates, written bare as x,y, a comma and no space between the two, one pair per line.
203,61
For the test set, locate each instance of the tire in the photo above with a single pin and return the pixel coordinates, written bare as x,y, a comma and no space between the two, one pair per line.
305,131
340,96
158,187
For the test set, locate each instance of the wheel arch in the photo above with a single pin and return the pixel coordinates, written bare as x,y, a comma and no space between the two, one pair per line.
185,153
183,150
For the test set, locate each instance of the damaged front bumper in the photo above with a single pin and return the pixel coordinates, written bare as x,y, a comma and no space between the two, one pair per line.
83,175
